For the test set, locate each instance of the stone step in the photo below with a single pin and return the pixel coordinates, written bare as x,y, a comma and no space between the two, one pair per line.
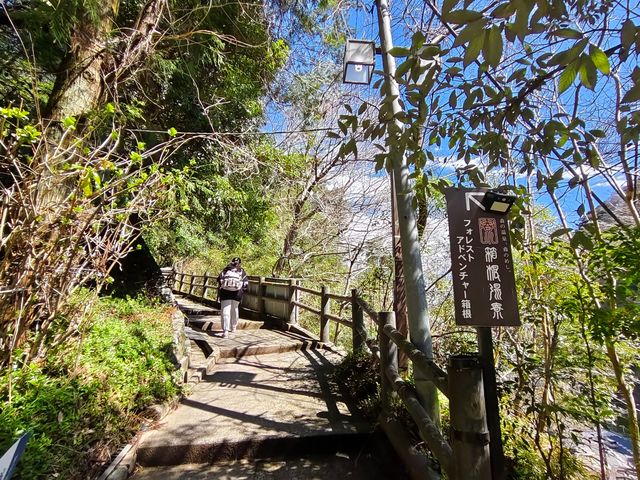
249,448
246,342
368,458
213,323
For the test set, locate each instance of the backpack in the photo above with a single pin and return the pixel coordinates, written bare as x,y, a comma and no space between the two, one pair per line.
231,280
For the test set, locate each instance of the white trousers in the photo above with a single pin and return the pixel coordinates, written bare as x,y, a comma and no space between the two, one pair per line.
229,314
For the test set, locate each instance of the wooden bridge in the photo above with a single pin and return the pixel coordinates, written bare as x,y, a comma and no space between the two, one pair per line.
261,404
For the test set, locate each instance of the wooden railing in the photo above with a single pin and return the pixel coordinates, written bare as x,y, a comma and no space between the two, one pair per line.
466,455
280,299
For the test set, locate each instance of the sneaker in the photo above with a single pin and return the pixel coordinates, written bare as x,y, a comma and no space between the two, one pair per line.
225,334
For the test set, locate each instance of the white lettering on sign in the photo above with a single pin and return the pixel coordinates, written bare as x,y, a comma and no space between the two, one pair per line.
466,255
492,273
495,291
496,308
490,254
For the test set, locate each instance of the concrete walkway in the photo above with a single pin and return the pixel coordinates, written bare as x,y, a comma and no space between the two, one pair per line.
267,395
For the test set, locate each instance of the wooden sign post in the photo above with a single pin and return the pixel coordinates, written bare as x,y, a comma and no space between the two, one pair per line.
483,289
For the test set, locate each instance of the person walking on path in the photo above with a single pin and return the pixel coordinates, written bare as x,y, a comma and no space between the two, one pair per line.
233,282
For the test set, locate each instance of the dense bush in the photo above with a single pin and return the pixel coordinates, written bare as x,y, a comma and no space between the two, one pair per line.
358,378
81,405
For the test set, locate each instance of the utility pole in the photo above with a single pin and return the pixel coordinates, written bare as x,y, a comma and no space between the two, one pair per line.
419,331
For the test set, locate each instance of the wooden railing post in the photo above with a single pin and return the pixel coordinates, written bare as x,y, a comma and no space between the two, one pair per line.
181,282
388,357
262,314
293,297
191,282
325,310
171,281
358,330
469,433
205,285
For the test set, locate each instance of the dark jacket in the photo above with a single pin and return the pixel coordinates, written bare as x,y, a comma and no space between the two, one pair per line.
231,295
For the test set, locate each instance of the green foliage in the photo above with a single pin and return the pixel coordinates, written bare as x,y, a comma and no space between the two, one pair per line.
358,377
614,263
83,403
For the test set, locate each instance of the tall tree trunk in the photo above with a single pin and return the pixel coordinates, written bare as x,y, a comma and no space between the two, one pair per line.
627,392
79,85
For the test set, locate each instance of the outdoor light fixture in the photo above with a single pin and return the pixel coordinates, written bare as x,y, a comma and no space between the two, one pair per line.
497,202
358,63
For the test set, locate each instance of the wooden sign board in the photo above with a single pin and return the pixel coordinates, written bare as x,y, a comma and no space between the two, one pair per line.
483,281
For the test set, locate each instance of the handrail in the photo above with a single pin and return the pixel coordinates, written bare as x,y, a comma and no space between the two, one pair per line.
308,290
284,292
428,367
341,320
308,308
368,309
339,298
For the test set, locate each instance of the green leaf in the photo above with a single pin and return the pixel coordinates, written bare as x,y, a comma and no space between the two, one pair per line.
399,52
453,100
85,185
469,32
632,95
521,23
417,41
627,33
448,5
588,72
492,47
560,232
594,158
568,76
172,132
567,33
599,59
581,239
135,157
405,67
473,50
567,56
70,123
504,10
461,17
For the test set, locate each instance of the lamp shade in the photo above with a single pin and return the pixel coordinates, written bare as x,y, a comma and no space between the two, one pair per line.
359,60
497,202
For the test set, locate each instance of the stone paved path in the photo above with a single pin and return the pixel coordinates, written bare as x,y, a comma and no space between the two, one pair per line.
252,403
